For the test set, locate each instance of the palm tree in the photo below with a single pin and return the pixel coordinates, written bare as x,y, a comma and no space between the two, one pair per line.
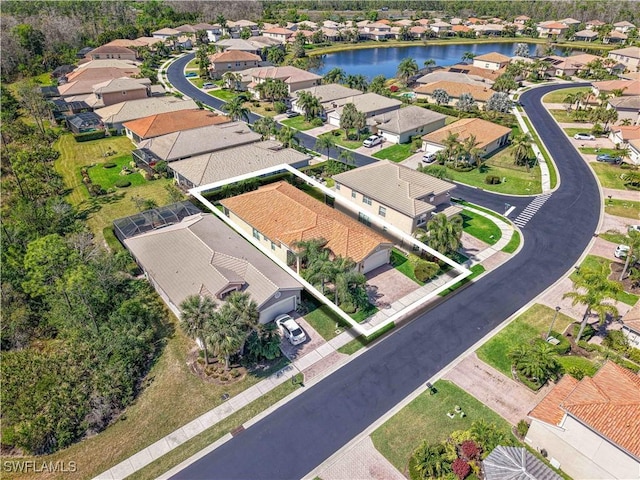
470,145
345,279
429,63
379,85
625,122
429,461
310,104
468,56
232,80
444,234
224,335
452,147
287,136
358,82
236,110
196,313
325,142
633,241
321,269
265,126
346,157
275,55
537,361
308,251
570,99
521,145
593,289
406,69
335,75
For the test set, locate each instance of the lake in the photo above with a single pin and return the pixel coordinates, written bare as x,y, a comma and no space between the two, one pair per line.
375,61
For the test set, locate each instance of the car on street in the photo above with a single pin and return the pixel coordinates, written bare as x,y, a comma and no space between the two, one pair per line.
372,141
429,157
291,113
207,85
605,157
584,136
290,329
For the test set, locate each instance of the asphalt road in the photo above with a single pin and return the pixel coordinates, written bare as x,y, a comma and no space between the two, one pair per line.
293,440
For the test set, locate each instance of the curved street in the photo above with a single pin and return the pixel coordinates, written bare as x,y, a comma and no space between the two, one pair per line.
294,439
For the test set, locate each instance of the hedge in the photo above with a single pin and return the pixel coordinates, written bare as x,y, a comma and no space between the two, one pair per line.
108,165
85,137
122,183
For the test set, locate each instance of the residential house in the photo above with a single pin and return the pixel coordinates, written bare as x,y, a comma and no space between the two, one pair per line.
488,29
295,78
489,136
615,37
376,31
447,76
491,61
231,162
195,141
279,33
114,116
488,75
625,87
214,32
585,35
402,196
460,29
589,428
201,255
628,107
480,93
620,135
62,71
441,28
631,320
165,33
135,43
594,24
401,125
371,104
623,26
328,94
521,19
128,68
551,28
570,22
112,52
235,28
634,153
229,44
279,216
231,61
569,66
84,122
628,56
81,82
119,90
83,52
170,122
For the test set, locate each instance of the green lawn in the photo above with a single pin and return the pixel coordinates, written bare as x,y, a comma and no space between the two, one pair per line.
338,136
594,151
193,64
480,227
395,153
523,329
553,175
564,116
609,175
513,244
224,95
591,261
568,362
198,82
425,418
324,321
315,192
400,262
558,96
107,177
613,236
623,208
362,314
299,123
572,131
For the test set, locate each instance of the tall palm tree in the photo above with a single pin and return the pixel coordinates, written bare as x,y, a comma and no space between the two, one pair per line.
521,145
196,313
309,250
452,147
310,104
379,85
633,241
406,69
232,80
358,82
593,289
344,277
287,136
325,142
236,110
335,75
321,269
429,63
224,335
265,126
445,233
468,56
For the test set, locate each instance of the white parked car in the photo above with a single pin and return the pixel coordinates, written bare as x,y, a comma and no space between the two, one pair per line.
372,141
584,136
634,227
621,251
290,329
429,157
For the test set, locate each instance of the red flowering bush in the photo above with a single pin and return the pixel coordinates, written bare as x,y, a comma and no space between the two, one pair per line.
394,88
469,450
460,468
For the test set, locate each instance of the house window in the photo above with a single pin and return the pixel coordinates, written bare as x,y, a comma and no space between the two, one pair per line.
364,219
422,219
337,186
256,234
366,200
273,246
382,211
353,194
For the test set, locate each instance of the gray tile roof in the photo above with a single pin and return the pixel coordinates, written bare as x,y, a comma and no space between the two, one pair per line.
196,141
203,254
330,92
231,162
515,463
396,186
369,102
122,84
134,109
407,119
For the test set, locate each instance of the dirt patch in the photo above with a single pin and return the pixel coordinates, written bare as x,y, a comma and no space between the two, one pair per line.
627,284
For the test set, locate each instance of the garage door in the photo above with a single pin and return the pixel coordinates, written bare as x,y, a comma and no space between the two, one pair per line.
431,148
376,260
271,312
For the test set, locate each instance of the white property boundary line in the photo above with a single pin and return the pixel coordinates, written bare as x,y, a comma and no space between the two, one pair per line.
198,193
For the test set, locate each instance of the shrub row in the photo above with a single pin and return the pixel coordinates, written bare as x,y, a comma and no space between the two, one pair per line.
85,137
623,362
94,190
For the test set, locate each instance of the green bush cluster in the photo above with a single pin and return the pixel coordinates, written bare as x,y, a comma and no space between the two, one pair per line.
108,165
492,180
122,183
564,346
279,107
85,137
424,270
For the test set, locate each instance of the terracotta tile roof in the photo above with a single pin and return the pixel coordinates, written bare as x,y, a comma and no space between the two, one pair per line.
554,26
477,71
485,132
285,214
630,132
460,28
455,89
608,403
632,318
628,87
493,57
164,123
111,49
233,56
596,23
279,31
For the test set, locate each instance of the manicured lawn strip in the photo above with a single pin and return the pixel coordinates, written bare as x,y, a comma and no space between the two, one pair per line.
558,96
591,261
209,436
572,131
224,95
198,82
553,175
361,341
623,208
324,321
513,244
562,116
480,227
475,271
613,236
425,418
338,136
395,153
594,151
568,362
107,177
523,329
482,209
362,314
193,64
299,123
401,263
609,175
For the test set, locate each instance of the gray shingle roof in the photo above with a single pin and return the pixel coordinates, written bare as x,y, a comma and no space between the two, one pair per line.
516,463
407,119
201,253
400,188
331,91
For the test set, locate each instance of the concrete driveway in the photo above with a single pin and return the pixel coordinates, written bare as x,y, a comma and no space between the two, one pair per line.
313,341
385,285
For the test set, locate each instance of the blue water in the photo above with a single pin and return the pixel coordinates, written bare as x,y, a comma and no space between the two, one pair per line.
376,61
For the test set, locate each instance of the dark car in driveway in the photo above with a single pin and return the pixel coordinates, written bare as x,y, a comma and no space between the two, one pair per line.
606,158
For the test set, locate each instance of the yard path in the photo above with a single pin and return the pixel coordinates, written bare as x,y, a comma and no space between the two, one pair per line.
508,398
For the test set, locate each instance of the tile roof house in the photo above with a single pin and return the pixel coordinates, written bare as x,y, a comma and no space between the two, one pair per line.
165,33
114,116
169,122
546,29
119,90
457,77
82,81
327,93
112,52
279,33
629,57
238,44
585,35
620,135
634,157
201,255
399,126
441,28
371,104
487,74
231,162
623,26
279,215
631,320
627,87
589,428
295,78
491,61
615,36
403,197
455,90
594,24
628,107
521,19
195,141
232,61
489,136
569,66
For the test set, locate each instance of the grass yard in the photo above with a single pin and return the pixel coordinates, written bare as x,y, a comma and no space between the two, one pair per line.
594,151
324,321
315,192
299,123
527,326
401,262
224,95
559,95
591,261
513,244
425,418
609,175
395,153
623,208
613,236
172,397
198,82
563,116
362,314
107,177
193,64
338,136
572,131
553,175
584,364
480,227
